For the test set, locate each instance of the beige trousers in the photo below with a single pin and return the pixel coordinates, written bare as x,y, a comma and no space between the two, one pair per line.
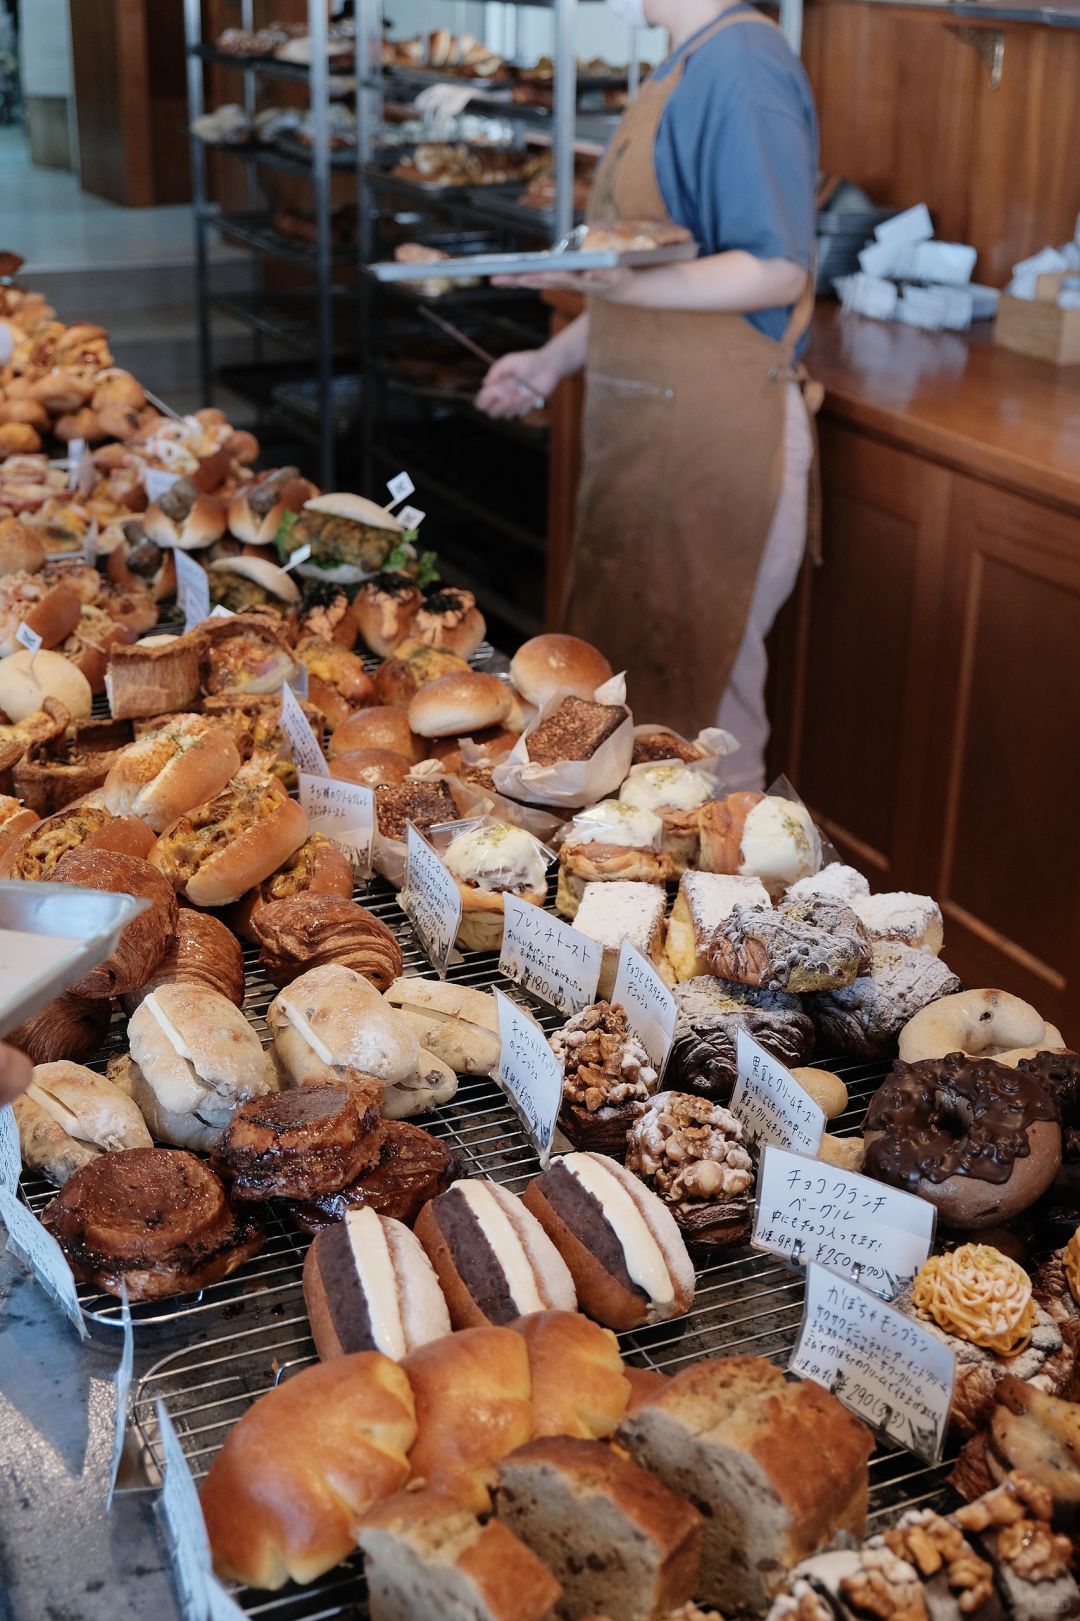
742,708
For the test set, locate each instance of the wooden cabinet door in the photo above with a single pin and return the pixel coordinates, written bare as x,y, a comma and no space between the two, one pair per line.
1003,748
853,703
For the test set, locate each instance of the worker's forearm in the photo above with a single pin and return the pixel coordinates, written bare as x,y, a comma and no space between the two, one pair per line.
733,281
566,351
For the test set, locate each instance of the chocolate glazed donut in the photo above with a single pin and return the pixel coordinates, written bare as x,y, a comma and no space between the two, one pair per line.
977,1139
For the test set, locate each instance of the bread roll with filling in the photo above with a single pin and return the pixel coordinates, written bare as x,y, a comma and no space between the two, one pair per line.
368,1286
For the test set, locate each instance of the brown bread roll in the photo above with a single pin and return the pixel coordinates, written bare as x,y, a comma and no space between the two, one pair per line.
143,941
384,726
71,1027
579,1384
35,855
283,1495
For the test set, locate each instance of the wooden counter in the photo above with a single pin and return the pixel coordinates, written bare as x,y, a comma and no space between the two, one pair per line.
926,679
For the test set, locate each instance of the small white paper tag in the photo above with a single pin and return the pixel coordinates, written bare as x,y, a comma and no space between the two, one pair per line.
76,452
771,1104
863,1230
344,811
301,681
10,1152
192,590
650,1008
400,487
28,638
301,555
547,957
34,1247
221,612
885,1367
306,753
185,1528
430,900
122,1386
411,517
529,1073
157,481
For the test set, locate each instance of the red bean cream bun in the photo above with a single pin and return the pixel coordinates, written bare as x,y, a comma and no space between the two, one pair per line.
977,1139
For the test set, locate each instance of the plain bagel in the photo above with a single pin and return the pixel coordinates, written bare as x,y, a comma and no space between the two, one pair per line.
985,1024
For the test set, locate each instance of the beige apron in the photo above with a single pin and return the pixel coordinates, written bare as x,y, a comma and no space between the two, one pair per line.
682,461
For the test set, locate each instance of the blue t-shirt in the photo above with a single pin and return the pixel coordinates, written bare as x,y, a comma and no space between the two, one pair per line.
737,149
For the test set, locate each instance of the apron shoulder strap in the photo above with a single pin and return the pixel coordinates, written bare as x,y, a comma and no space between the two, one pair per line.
728,20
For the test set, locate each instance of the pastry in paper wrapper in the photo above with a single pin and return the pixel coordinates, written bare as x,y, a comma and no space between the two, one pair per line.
711,743
475,799
387,854
570,783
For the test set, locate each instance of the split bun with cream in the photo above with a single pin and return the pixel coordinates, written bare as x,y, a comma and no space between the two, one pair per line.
368,1286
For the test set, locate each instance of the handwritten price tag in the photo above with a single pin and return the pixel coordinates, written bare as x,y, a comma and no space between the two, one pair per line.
185,1529
863,1230
192,590
306,753
156,482
10,1152
886,1368
547,957
344,811
430,900
400,487
771,1104
35,1248
529,1074
122,1385
650,1006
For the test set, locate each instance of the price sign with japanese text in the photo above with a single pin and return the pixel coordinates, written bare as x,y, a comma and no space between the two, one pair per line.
886,1368
547,957
770,1103
650,1007
344,811
306,753
529,1073
430,900
863,1230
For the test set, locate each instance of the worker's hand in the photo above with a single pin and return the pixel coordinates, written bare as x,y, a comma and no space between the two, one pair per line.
611,283
517,384
16,1071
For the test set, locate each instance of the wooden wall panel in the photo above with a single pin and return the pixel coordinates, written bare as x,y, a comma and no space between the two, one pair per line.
1025,189
896,104
908,111
1003,822
865,638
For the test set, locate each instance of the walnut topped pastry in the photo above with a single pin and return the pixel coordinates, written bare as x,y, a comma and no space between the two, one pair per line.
711,1013
610,840
691,1153
814,945
606,1071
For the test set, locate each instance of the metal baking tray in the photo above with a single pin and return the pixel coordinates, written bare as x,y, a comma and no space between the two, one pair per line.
526,264
50,936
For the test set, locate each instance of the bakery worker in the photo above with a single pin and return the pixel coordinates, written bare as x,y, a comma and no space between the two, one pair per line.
691,518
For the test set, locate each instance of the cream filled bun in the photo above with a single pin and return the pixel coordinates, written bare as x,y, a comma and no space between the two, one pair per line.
493,1259
369,1286
613,822
331,1024
498,857
665,787
625,1253
779,843
194,1060
241,583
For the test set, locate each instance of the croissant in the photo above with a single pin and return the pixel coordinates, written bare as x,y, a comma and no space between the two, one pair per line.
202,951
307,931
142,942
71,1027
